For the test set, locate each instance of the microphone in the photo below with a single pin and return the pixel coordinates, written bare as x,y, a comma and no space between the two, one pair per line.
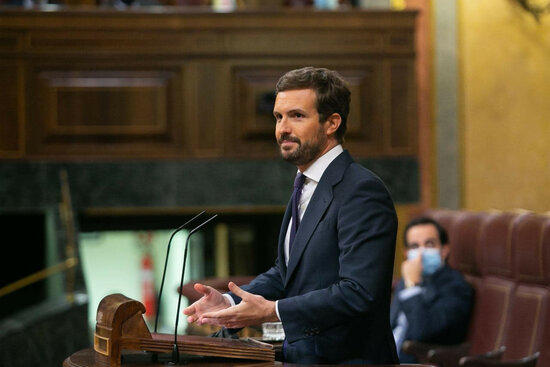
166,262
175,352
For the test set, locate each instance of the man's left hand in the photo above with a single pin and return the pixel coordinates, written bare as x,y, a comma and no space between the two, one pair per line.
252,310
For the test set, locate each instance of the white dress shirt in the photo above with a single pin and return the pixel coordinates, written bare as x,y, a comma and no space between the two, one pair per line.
402,322
313,176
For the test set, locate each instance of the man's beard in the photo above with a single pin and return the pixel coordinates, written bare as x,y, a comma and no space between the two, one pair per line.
306,152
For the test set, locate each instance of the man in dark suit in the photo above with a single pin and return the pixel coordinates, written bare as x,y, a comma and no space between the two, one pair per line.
331,283
432,302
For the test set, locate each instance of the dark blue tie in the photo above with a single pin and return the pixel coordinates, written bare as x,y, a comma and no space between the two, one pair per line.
298,184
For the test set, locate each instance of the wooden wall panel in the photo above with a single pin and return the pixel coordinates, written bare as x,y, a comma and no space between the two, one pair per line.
91,111
369,133
10,128
254,98
403,108
275,42
365,133
205,117
189,85
97,103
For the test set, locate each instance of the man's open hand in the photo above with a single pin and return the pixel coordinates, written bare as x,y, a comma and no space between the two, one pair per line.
211,300
252,310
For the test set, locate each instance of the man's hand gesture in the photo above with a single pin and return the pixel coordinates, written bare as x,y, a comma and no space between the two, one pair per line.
412,270
252,310
211,300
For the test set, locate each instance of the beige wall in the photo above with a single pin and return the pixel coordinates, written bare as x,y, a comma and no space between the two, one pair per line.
505,106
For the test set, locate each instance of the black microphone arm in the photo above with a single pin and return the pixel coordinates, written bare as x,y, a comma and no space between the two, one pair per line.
175,352
166,262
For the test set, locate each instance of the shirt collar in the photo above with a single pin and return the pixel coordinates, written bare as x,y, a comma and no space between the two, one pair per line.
316,170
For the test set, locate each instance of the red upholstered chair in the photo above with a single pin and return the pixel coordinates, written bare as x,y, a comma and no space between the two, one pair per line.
510,269
544,359
491,309
530,309
546,252
508,312
466,249
495,293
491,256
445,217
524,327
531,250
496,237
527,361
464,230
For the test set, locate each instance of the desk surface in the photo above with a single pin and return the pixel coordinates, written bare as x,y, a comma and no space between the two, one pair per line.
85,358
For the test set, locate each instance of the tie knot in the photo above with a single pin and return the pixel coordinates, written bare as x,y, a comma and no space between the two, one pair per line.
299,180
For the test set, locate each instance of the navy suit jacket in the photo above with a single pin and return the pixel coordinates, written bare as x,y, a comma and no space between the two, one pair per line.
334,296
440,314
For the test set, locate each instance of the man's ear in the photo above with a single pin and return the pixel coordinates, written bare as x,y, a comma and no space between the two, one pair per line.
333,123
445,250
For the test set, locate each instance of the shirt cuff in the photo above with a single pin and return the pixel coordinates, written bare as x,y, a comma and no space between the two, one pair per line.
410,292
277,309
231,300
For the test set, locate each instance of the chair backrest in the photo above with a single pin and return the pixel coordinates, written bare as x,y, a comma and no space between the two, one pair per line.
445,217
531,249
506,257
494,293
530,309
466,248
496,244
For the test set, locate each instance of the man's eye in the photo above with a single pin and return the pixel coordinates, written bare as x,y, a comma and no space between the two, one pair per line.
430,244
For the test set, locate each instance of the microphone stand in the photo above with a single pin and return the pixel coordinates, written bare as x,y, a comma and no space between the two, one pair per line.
166,263
175,351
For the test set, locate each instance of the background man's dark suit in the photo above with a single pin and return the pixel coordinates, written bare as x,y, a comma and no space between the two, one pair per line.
439,314
334,296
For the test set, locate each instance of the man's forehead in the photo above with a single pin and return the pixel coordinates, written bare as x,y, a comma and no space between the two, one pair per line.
296,94
423,230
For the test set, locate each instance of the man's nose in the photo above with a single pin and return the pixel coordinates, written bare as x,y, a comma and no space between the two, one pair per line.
283,126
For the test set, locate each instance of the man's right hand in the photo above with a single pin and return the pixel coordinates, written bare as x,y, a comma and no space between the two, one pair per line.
411,270
211,300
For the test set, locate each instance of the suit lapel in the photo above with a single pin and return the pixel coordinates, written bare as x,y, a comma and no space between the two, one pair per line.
282,235
320,201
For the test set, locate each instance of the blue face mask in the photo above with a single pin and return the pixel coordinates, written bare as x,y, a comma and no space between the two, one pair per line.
431,260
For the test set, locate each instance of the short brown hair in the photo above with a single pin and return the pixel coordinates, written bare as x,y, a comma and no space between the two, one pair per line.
443,237
333,94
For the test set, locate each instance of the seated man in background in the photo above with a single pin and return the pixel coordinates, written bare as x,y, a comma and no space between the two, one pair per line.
432,302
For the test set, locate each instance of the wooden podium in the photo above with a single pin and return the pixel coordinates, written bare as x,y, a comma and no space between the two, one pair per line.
121,333
85,358
120,326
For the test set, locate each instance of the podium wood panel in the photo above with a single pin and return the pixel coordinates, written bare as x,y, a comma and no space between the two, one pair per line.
85,358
